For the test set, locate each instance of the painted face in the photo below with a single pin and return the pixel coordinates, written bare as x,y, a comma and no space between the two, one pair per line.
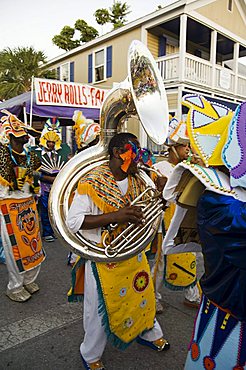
22,139
133,155
50,145
26,221
29,223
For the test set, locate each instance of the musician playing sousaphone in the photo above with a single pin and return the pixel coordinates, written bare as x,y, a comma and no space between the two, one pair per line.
19,219
217,190
114,216
119,300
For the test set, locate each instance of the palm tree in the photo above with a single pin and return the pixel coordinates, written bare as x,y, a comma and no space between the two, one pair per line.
118,14
17,66
115,15
65,39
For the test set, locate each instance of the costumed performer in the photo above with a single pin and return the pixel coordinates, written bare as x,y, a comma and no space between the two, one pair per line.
19,218
119,300
218,192
86,135
86,131
177,271
53,155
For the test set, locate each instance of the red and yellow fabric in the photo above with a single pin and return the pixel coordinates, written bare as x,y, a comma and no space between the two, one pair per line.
21,219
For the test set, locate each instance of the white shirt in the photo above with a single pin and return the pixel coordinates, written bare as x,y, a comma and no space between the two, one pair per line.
82,205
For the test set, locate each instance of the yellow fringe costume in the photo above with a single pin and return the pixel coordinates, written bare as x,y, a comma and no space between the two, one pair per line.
125,289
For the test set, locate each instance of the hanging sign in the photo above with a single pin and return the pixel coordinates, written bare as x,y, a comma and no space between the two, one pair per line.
68,94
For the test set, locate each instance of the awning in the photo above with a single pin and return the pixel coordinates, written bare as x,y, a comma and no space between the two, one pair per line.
15,105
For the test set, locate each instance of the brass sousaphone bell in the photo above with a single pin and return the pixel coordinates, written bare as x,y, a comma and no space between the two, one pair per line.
143,95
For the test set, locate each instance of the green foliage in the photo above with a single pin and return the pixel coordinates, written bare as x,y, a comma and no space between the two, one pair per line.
64,39
87,33
115,15
17,66
102,16
118,14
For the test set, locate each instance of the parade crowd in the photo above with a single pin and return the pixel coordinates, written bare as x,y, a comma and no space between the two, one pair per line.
199,247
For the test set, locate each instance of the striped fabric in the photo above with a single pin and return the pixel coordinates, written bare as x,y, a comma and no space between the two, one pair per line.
101,185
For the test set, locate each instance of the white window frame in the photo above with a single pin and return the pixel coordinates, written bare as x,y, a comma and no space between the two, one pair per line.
61,67
104,65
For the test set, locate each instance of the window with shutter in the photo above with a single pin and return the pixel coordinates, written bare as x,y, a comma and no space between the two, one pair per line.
100,65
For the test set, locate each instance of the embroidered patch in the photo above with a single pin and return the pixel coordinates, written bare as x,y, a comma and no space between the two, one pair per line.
141,281
123,292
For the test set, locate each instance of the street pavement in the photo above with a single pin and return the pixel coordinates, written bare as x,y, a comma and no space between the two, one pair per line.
45,332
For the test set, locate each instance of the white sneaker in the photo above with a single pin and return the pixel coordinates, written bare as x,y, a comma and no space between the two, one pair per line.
21,296
32,288
159,307
49,238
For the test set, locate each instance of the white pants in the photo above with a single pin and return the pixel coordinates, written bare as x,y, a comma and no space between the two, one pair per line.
95,338
16,280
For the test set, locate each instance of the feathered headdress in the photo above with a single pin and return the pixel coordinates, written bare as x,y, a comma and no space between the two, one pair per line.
207,124
218,135
86,130
234,151
51,132
12,125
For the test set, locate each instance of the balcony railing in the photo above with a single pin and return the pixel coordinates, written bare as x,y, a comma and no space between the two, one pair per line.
202,73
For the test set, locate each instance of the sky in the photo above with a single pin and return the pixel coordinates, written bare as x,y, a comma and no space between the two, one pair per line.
34,23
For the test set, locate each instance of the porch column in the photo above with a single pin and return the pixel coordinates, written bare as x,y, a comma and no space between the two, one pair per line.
182,46
213,51
235,65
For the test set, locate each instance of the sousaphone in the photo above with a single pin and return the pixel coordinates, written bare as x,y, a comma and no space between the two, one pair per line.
143,95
